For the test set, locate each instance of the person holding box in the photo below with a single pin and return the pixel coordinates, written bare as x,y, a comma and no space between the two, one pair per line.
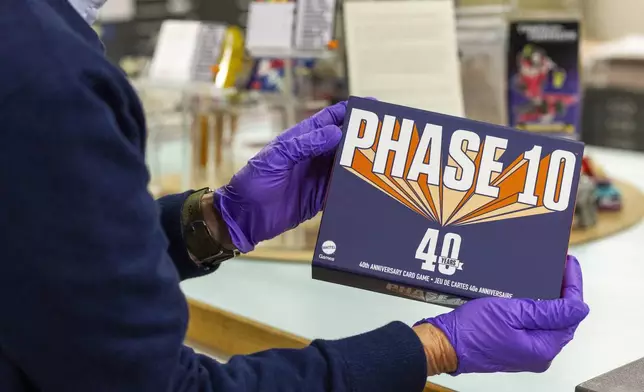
90,263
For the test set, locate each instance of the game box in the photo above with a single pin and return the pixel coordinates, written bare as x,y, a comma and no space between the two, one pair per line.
443,209
543,74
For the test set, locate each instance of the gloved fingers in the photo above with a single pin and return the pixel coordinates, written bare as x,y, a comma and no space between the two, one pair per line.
546,345
572,283
550,315
331,115
288,153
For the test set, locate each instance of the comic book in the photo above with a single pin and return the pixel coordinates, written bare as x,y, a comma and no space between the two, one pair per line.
268,74
443,209
543,77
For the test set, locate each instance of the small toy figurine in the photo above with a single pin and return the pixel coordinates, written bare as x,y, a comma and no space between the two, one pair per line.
586,207
608,197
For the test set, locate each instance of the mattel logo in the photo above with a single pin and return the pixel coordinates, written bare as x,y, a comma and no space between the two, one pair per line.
328,249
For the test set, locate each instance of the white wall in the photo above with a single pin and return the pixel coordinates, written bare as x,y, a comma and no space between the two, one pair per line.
611,19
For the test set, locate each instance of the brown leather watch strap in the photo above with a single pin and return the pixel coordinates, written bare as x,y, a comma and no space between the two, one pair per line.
204,249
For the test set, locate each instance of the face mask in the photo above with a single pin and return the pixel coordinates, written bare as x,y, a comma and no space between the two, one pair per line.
88,9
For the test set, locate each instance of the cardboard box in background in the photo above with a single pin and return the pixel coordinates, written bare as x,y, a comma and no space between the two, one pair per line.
613,106
613,117
626,378
444,209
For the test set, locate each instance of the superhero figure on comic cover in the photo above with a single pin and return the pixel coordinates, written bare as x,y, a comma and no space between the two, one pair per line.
267,75
535,69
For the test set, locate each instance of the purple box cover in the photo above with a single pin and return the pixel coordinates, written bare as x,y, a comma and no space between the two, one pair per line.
443,209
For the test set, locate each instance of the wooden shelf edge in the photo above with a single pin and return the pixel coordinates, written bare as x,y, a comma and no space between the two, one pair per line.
274,254
231,334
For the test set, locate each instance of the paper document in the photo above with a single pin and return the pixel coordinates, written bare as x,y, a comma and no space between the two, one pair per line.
186,50
404,52
175,50
482,45
314,27
270,25
117,11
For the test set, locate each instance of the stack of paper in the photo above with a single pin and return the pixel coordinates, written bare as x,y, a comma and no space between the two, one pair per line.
404,52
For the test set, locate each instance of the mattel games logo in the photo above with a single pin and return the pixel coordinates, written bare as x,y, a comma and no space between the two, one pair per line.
328,247
473,187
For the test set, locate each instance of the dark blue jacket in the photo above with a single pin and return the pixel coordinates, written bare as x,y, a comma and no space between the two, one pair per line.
90,263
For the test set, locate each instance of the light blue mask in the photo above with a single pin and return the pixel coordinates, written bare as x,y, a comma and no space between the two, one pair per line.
88,9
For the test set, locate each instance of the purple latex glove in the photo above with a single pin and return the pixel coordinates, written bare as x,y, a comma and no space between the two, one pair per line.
285,183
514,335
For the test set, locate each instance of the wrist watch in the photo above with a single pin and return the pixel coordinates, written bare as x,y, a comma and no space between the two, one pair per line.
204,249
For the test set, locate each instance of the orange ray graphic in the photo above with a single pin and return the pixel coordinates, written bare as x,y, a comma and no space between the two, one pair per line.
416,188
517,214
370,155
465,196
424,188
402,185
510,186
511,183
511,168
437,194
362,164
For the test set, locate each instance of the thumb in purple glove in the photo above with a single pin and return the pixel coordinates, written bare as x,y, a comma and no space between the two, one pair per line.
285,183
514,335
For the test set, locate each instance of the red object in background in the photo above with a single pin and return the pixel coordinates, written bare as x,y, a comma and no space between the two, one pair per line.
551,105
586,167
532,81
593,171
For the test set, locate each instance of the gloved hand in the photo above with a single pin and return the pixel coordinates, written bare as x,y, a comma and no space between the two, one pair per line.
284,184
512,335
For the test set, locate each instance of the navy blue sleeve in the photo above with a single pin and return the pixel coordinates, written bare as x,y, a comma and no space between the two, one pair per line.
89,294
170,207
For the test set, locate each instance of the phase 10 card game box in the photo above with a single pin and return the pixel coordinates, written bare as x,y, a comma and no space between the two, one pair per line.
443,209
